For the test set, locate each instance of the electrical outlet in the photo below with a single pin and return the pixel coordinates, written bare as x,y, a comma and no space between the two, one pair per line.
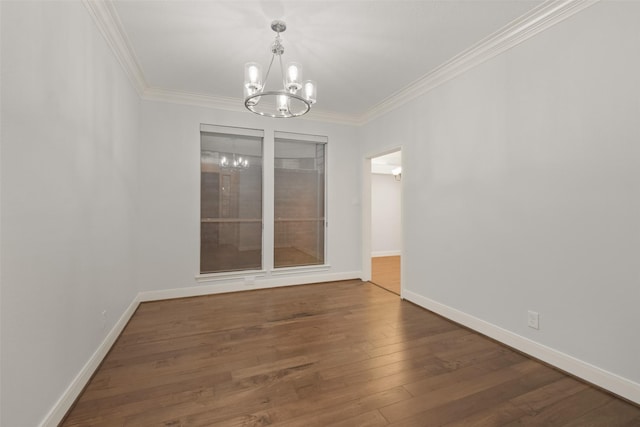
533,319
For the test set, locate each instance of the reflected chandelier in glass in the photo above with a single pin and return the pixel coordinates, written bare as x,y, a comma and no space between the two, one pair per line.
294,99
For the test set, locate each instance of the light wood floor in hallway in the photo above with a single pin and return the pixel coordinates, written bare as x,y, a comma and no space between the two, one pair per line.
385,272
333,354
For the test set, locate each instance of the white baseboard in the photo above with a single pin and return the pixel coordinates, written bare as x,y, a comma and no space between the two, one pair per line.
609,381
385,253
238,284
58,411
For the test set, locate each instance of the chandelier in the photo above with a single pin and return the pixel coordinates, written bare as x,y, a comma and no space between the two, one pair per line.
235,163
294,99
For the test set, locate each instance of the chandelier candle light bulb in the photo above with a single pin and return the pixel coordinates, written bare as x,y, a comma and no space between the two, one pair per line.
253,76
294,99
283,106
253,81
294,75
310,88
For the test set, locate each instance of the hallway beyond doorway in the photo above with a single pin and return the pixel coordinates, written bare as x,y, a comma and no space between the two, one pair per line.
385,272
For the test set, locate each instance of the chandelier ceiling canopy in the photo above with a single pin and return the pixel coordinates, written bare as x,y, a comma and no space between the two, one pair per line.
296,96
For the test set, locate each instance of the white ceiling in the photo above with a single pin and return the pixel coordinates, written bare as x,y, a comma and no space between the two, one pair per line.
359,52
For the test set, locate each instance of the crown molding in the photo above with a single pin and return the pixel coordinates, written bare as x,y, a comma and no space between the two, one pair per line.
332,117
108,22
537,20
191,98
528,25
235,104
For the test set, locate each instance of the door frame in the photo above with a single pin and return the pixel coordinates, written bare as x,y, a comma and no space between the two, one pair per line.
366,213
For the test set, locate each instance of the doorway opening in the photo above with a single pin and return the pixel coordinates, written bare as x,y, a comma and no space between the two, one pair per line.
385,213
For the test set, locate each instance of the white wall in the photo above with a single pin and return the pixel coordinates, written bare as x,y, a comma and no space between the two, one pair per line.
170,192
69,186
521,181
522,188
385,215
100,199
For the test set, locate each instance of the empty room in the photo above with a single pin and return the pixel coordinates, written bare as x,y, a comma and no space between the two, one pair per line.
190,198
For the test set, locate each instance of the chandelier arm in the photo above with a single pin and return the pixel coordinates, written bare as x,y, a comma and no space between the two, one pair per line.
284,80
267,75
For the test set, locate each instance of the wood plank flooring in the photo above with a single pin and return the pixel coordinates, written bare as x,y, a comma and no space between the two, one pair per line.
385,272
332,354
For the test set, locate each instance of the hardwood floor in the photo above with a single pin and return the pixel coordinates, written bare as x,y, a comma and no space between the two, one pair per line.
333,354
385,272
